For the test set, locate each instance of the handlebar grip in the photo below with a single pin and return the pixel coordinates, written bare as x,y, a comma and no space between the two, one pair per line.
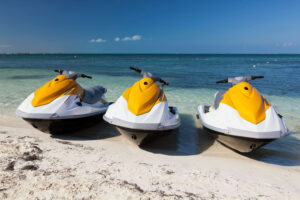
58,71
255,77
86,76
164,82
135,69
223,81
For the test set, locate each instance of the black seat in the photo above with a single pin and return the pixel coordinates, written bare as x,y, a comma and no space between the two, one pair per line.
93,94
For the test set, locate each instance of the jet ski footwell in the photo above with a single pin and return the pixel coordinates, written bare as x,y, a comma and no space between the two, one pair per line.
63,126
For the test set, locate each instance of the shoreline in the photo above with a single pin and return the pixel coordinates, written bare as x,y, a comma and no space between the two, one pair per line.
97,165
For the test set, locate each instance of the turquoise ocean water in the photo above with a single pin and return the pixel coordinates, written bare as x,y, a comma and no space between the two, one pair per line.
192,78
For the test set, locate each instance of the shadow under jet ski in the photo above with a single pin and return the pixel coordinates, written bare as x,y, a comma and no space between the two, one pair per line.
284,152
188,139
63,126
98,131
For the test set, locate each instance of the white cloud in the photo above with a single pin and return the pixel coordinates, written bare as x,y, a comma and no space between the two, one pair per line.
133,38
136,37
4,45
99,40
117,39
287,44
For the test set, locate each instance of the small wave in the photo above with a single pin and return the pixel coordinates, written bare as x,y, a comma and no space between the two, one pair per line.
27,77
297,128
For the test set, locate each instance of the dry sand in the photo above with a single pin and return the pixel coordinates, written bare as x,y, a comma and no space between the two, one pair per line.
95,165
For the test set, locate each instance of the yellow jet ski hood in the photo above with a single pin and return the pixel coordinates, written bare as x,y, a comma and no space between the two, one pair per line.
250,105
63,84
246,100
143,95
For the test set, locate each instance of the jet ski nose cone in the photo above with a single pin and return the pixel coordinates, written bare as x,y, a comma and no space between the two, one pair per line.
145,83
245,88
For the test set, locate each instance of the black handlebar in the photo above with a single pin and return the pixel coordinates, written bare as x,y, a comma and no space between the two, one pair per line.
58,71
135,69
86,76
163,82
223,81
255,77
78,75
140,72
247,78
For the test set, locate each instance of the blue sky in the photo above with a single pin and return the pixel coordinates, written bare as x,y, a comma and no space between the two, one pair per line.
163,26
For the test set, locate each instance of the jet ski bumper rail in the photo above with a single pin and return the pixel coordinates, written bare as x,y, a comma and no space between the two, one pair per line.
238,132
140,126
55,116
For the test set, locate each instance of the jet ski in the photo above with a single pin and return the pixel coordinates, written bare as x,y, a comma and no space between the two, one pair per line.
241,118
142,112
63,106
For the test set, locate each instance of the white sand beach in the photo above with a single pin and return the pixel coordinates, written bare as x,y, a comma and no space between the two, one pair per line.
98,163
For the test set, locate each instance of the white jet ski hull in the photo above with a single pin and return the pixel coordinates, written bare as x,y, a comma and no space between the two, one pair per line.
63,115
238,134
159,121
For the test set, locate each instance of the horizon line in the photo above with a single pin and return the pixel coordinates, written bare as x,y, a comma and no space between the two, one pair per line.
23,53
